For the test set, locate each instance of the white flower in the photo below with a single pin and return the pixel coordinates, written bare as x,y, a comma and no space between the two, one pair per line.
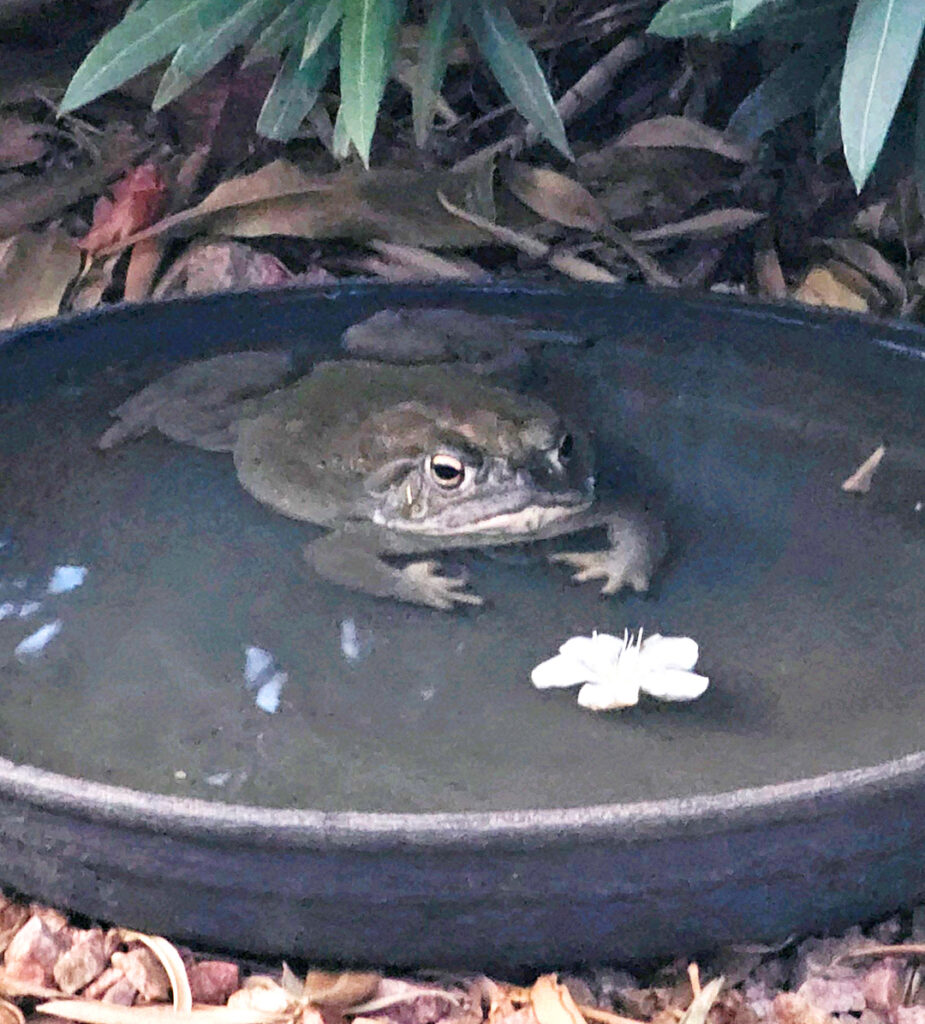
615,670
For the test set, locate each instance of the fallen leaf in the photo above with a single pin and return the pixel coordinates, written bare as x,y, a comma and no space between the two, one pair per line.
221,266
35,271
39,198
871,262
107,1013
138,198
715,224
529,245
820,287
10,1013
397,205
861,479
554,196
172,963
789,1008
412,263
700,1005
21,141
93,283
768,272
340,989
553,1003
669,132
142,268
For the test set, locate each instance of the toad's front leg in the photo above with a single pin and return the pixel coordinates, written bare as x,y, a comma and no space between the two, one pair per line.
638,544
353,560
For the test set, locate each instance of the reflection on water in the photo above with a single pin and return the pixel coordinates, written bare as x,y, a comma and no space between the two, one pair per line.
196,654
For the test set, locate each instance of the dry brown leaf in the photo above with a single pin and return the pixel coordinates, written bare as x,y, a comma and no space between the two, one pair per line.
142,268
859,483
172,963
579,269
35,271
207,267
683,133
789,1008
262,995
703,1000
820,287
531,246
87,1012
398,205
13,915
768,272
93,282
21,141
554,196
871,262
137,200
340,989
412,263
553,1003
715,224
39,198
10,1013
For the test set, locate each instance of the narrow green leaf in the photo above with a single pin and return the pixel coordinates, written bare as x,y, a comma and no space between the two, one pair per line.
322,20
340,141
679,18
295,91
431,69
141,39
882,47
198,56
790,89
285,31
367,47
791,20
516,68
741,9
827,138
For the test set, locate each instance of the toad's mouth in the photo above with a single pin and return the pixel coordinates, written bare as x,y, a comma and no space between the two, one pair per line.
530,519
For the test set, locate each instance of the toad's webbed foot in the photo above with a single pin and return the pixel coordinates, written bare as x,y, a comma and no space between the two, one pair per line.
353,560
638,545
201,403
422,583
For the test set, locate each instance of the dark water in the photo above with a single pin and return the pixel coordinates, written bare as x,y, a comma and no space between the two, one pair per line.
807,604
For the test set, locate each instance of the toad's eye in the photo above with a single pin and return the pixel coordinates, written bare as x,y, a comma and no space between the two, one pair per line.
448,471
566,445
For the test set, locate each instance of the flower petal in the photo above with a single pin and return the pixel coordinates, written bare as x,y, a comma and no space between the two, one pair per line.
560,670
600,697
670,651
673,684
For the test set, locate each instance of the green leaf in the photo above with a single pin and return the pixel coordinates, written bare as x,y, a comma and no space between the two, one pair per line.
141,39
680,18
791,20
285,31
827,138
322,20
340,141
195,58
367,47
515,67
790,89
741,9
295,91
431,69
882,47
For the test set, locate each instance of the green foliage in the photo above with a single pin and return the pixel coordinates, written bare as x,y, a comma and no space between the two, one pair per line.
852,64
311,37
